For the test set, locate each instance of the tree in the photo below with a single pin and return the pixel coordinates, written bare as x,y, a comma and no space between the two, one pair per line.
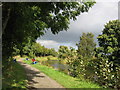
72,62
36,48
16,51
86,45
108,53
23,22
52,52
63,52
79,65
26,49
109,42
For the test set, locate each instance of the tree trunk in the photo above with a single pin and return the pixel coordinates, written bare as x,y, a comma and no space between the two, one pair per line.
6,21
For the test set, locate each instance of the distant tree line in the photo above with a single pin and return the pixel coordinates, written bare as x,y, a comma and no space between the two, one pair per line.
35,50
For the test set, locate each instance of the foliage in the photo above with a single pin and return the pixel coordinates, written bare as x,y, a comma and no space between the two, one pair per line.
86,45
31,54
70,55
109,42
42,59
104,68
53,52
63,79
63,52
109,55
79,63
14,81
38,50
72,62
86,53
24,22
16,51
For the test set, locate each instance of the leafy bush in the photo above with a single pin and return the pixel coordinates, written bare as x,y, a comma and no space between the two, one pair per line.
108,54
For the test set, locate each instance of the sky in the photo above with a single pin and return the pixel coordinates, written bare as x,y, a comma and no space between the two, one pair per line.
92,21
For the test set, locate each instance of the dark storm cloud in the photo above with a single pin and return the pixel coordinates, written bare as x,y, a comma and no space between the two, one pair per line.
93,21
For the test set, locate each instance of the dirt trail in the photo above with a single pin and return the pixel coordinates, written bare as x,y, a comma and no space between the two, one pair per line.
37,79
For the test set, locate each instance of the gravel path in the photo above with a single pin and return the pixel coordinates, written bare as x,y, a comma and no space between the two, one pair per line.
37,79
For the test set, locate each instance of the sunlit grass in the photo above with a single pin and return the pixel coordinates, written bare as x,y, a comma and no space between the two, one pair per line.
40,59
17,78
63,79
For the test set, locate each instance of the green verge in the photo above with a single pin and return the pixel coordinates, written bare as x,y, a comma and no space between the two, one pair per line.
17,79
40,59
63,79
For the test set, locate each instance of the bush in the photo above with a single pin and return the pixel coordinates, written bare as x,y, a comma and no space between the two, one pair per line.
48,58
108,75
108,67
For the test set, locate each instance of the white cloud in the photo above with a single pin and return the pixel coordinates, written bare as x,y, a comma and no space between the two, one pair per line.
54,44
48,43
93,21
107,0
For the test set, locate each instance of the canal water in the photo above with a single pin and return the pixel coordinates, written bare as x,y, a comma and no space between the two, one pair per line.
57,64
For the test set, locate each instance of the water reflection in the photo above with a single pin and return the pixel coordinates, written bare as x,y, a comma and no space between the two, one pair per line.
57,64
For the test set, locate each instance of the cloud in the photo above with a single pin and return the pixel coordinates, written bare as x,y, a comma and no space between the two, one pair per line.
54,44
93,21
107,0
48,43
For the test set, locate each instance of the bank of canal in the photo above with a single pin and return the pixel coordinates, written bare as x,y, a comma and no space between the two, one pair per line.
62,78
57,64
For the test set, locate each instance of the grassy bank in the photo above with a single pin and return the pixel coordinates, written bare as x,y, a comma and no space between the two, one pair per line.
63,79
16,80
40,59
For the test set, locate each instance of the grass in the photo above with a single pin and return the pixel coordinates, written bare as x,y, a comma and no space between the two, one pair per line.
46,58
17,79
63,79
40,59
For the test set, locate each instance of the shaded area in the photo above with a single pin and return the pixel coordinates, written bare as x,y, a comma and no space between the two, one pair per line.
14,77
37,79
30,75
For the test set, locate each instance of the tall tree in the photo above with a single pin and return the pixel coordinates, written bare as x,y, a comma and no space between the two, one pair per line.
85,54
86,45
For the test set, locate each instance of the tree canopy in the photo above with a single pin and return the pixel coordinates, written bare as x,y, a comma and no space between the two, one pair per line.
86,45
108,54
24,21
109,42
